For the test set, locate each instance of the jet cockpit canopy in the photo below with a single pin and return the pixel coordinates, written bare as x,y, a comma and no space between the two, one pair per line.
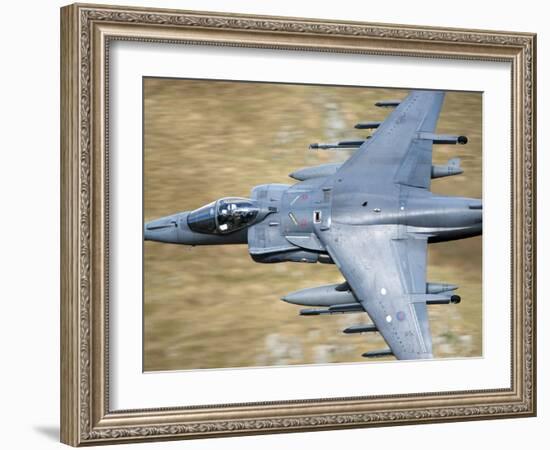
223,216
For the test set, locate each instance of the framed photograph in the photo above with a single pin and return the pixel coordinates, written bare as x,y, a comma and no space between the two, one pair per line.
276,224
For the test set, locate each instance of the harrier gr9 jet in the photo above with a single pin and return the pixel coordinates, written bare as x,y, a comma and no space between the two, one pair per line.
373,216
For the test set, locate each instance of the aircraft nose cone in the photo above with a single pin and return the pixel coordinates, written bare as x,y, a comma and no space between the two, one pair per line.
162,230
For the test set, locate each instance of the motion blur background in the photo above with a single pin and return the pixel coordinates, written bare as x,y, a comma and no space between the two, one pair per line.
212,306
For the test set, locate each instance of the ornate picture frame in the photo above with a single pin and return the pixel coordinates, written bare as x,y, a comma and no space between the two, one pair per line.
87,32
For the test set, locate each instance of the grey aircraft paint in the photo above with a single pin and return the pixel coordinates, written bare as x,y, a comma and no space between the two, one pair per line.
373,216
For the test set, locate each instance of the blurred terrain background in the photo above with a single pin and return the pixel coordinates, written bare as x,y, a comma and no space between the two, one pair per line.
213,307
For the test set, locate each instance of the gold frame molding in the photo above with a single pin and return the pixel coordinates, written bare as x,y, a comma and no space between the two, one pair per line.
86,31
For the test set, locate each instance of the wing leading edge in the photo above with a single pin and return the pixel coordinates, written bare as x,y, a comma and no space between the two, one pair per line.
400,151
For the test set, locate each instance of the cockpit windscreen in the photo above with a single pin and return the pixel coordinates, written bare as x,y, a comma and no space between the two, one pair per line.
203,220
223,216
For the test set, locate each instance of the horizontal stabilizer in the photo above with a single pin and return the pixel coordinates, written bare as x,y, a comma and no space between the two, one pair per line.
451,168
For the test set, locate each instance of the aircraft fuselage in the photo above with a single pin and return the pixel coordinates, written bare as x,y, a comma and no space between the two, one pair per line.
285,219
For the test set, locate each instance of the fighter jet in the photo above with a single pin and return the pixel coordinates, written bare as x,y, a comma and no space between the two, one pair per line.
373,216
